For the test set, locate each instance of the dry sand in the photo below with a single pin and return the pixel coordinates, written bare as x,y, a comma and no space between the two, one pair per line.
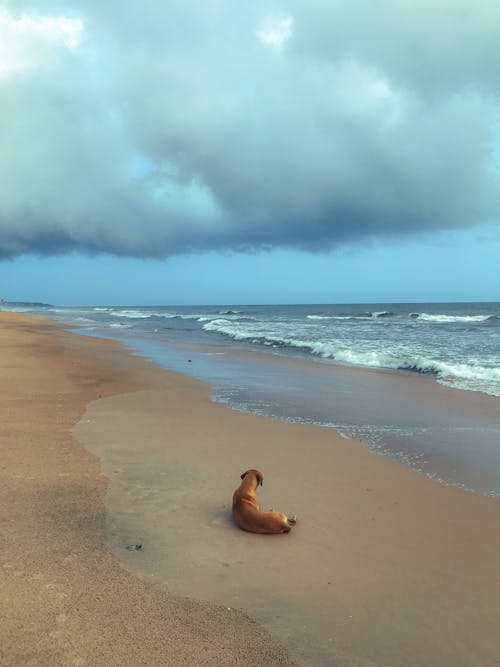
385,567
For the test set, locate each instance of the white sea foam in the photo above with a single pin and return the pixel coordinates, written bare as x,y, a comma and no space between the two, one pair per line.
329,317
136,314
380,313
474,376
185,318
368,314
141,314
446,319
229,328
132,314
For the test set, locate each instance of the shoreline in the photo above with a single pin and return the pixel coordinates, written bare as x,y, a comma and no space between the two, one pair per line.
406,416
384,568
66,600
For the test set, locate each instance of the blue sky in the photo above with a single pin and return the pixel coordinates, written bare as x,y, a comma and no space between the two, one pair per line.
249,153
453,267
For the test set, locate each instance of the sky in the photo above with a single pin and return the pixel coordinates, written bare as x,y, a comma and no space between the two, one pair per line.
212,152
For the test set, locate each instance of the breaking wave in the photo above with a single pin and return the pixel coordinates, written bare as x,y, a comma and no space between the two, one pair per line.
356,316
137,314
463,375
230,312
150,315
447,319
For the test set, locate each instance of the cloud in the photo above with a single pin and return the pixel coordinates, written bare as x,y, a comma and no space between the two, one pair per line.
188,127
28,40
276,33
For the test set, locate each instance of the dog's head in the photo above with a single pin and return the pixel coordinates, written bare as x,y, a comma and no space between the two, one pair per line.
254,473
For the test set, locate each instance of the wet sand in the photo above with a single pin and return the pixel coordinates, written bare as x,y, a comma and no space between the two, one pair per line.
66,600
385,567
447,433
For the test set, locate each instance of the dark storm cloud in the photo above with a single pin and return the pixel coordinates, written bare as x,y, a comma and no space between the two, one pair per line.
175,127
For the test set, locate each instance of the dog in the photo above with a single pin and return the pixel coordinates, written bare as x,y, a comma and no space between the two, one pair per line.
247,513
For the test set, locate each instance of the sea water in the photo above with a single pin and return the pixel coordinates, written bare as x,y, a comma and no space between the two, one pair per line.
340,366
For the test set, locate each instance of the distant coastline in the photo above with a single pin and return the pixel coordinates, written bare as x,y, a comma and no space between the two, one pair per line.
26,304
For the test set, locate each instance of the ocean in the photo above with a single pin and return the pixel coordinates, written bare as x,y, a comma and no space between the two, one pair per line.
340,366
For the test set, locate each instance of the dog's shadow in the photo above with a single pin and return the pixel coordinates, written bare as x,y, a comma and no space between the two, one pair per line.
221,518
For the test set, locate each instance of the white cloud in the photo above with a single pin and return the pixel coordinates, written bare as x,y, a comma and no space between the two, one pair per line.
276,32
29,40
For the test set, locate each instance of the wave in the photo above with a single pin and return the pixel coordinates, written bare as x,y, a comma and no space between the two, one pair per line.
447,319
330,317
151,315
193,316
381,313
119,325
358,316
135,314
425,317
467,376
231,317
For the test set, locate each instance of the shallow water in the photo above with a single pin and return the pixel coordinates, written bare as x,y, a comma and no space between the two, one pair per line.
446,433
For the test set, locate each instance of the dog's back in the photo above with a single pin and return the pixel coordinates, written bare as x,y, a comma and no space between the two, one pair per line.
247,513
251,519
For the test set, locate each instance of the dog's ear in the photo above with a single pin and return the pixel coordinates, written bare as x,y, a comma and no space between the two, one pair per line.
243,474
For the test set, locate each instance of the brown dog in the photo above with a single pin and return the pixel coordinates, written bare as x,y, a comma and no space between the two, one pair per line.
247,513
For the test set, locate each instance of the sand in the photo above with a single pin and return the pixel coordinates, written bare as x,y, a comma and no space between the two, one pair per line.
66,600
385,566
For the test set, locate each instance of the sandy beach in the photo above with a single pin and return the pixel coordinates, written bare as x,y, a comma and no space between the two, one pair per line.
66,600
102,451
